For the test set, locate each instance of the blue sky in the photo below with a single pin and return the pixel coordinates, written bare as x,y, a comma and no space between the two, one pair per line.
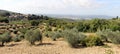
71,7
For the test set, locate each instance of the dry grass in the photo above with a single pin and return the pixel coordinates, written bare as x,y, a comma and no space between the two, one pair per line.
53,47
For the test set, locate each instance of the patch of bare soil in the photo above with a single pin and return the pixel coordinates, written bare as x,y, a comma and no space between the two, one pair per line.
54,47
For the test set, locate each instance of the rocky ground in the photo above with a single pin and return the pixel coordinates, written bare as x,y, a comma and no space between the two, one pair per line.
55,47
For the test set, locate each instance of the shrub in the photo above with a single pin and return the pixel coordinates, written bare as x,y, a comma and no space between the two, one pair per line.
114,37
46,34
110,36
18,37
33,35
34,23
56,35
2,19
48,29
28,35
37,34
73,38
21,36
93,41
23,30
5,38
103,35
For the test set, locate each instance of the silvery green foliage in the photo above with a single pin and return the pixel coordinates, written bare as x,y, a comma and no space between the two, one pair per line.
56,35
73,37
103,34
18,37
5,38
33,35
110,36
53,34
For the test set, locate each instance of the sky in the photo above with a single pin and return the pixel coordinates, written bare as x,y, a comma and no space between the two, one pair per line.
67,7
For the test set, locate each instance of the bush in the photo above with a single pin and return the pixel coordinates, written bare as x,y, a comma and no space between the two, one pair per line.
48,28
110,36
23,30
28,35
56,35
103,35
33,35
21,36
93,41
73,38
34,23
2,19
18,37
46,34
114,37
5,38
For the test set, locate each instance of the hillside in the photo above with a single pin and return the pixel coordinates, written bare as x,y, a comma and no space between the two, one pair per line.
80,16
5,13
55,47
38,34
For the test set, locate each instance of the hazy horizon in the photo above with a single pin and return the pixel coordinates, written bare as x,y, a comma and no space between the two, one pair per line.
63,7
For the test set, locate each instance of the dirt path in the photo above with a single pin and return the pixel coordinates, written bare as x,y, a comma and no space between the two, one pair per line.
53,47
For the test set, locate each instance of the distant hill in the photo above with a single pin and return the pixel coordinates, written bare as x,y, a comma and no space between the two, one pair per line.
80,16
8,13
5,13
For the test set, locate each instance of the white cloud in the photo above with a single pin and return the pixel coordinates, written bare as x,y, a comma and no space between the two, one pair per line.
25,5
81,3
59,4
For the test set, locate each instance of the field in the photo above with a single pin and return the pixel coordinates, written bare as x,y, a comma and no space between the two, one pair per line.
36,34
56,47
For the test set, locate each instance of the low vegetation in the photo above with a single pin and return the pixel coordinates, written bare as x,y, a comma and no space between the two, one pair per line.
54,35
32,36
34,23
74,38
110,36
93,41
30,29
4,38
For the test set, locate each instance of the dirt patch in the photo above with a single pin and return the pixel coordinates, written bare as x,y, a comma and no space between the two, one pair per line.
53,47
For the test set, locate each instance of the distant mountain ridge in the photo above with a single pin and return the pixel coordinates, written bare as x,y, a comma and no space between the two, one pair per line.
80,16
64,16
5,11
